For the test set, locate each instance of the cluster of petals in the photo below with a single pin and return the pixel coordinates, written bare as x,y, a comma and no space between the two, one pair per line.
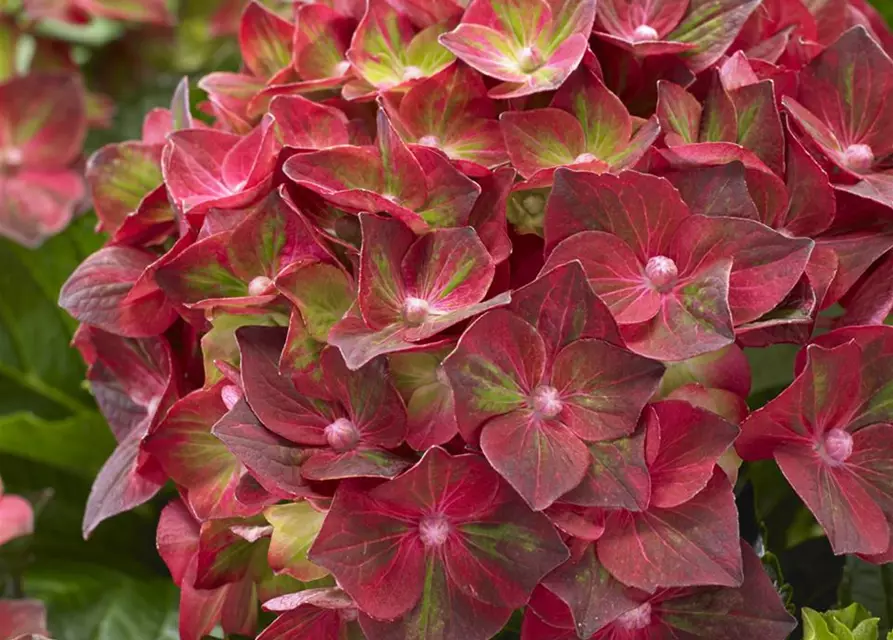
440,314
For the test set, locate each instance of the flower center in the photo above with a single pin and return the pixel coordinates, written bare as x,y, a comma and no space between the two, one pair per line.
529,60
259,286
584,157
637,618
348,614
662,272
859,157
644,32
341,68
546,401
342,435
534,204
415,311
412,73
429,141
434,530
11,157
838,446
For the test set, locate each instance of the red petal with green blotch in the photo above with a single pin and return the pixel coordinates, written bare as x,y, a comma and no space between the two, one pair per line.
352,178
695,543
120,176
401,175
444,613
486,50
617,475
606,123
470,552
203,276
273,396
430,408
451,195
563,308
679,113
613,272
711,26
379,45
594,597
224,556
541,458
265,40
709,154
321,40
98,293
43,120
295,526
195,459
451,111
273,461
448,268
693,319
642,210
497,364
845,89
522,20
603,388
152,223
381,286
541,139
372,403
759,123
151,11
719,121
685,443
300,355
765,264
304,124
321,291
273,236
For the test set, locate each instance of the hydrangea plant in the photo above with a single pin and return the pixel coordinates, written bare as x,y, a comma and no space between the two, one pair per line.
433,314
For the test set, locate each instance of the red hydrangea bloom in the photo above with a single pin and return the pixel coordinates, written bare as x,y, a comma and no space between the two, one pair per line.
441,315
447,543
830,433
42,127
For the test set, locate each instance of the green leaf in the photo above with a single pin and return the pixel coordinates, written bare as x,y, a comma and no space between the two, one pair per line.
851,623
871,586
90,602
39,372
79,444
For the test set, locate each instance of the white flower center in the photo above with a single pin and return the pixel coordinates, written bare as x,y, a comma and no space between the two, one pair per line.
434,530
415,311
838,446
859,157
662,272
342,435
637,618
261,285
644,32
546,401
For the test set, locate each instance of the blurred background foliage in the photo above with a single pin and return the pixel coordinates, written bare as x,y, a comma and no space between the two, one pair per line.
52,439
